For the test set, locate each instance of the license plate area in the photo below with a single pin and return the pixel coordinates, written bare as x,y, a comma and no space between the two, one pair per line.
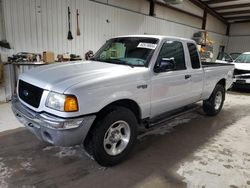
26,122
240,81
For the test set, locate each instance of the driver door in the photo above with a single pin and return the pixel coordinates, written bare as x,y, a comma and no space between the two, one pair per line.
170,89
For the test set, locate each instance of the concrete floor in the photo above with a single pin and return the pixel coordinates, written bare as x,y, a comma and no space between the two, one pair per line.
191,151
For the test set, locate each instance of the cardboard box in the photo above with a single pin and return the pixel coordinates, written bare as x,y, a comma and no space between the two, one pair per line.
48,57
66,57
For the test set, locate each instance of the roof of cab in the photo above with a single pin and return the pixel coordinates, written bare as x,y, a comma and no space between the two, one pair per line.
158,37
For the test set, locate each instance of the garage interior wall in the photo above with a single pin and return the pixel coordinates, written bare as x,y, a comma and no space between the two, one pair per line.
215,25
1,21
41,25
239,38
169,14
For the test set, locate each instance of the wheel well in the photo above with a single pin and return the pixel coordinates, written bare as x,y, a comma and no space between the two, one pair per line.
128,103
222,82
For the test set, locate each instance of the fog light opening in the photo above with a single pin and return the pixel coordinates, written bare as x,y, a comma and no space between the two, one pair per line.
48,137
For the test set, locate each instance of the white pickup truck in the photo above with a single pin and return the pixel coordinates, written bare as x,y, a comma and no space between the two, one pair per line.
242,68
131,81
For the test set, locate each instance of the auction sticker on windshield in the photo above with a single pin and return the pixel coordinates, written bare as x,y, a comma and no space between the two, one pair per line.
147,45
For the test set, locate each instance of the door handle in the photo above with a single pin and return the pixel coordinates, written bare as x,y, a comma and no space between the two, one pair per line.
187,76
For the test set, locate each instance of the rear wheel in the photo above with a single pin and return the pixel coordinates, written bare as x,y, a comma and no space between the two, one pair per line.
213,105
113,136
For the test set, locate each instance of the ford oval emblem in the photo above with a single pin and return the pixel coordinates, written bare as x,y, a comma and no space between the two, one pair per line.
25,93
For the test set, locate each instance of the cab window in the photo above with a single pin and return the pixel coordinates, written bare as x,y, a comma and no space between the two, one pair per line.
173,50
194,57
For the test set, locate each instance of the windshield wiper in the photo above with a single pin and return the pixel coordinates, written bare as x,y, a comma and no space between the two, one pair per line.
118,62
94,59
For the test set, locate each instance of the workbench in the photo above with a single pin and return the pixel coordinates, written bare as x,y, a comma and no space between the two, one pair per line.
11,72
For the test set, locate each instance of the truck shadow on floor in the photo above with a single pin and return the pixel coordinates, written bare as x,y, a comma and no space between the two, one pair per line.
26,162
240,91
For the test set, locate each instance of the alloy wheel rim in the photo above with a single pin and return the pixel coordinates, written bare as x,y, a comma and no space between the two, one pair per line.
218,100
117,138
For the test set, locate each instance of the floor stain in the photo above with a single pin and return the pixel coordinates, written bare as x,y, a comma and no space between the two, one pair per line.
196,151
228,166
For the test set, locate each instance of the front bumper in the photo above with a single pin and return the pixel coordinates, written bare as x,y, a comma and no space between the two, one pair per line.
242,79
51,129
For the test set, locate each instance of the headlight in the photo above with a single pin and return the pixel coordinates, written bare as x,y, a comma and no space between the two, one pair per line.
65,103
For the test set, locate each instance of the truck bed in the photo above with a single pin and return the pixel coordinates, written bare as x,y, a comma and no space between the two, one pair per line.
213,64
213,73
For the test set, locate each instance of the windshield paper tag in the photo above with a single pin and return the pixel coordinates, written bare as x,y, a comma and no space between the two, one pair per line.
147,45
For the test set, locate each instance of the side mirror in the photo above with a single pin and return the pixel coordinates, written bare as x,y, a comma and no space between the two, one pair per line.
166,64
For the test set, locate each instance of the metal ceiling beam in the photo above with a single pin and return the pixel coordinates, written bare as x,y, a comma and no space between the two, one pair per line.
204,6
238,17
218,1
241,21
235,12
232,6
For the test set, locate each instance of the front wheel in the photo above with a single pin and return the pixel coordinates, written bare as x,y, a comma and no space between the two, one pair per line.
213,105
114,136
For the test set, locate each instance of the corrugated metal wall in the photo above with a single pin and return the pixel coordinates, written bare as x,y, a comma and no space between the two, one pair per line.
122,22
238,44
39,25
213,24
239,40
1,21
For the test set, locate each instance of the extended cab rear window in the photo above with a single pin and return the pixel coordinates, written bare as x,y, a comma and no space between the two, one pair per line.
194,56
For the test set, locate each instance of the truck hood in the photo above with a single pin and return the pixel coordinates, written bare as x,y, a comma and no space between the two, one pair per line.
59,77
242,66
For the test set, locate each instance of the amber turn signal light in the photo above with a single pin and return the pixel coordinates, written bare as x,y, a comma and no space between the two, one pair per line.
70,104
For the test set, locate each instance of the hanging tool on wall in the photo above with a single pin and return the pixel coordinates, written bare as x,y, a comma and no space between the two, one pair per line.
70,37
78,33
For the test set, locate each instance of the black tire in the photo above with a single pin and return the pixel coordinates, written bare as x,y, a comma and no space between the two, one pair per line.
95,144
234,87
209,105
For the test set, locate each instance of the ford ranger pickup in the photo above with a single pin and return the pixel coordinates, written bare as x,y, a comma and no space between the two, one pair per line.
130,81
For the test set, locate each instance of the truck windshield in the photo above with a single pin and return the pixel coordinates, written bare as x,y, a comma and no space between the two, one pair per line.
235,55
243,58
132,51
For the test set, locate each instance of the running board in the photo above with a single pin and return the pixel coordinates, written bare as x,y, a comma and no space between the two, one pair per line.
171,115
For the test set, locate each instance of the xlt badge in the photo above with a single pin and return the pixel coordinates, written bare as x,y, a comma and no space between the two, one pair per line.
142,86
